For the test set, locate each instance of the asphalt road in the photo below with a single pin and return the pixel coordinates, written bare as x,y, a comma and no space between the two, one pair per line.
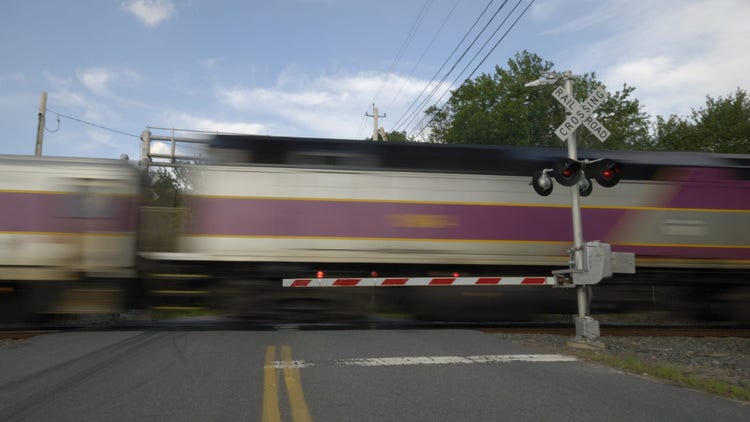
288,375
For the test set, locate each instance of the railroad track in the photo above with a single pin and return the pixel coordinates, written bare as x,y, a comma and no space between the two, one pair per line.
514,328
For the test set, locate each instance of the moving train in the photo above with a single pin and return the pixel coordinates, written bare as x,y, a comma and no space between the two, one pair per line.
76,236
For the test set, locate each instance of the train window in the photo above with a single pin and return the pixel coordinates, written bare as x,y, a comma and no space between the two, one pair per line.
90,200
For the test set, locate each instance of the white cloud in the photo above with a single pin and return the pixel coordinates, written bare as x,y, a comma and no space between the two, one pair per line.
675,52
96,80
99,80
187,121
329,106
150,12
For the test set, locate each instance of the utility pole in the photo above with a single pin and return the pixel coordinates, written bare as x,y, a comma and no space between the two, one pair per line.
40,127
374,116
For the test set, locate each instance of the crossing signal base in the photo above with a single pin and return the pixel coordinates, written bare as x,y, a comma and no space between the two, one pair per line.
599,262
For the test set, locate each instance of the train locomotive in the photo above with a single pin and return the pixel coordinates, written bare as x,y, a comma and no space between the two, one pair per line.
263,208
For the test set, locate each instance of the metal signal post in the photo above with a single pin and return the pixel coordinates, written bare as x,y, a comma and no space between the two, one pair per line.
591,261
575,199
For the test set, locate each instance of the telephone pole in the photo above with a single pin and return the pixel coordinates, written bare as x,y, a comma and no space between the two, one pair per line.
374,116
40,127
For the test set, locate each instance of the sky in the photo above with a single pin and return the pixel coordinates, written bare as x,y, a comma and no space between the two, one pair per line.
314,68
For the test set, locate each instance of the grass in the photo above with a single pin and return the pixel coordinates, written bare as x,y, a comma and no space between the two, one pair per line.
671,373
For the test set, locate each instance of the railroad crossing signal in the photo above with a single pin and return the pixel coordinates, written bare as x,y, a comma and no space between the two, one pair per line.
590,261
605,171
569,172
581,113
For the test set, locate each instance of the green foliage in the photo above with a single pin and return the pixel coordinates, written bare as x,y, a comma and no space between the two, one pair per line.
723,125
167,186
397,136
500,109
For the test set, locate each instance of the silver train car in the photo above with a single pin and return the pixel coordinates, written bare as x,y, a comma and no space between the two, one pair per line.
331,201
75,235
68,233
275,207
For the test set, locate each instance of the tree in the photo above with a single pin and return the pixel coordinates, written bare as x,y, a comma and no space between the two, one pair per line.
499,109
723,125
397,136
168,186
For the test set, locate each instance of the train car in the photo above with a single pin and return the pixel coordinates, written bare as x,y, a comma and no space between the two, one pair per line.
67,234
273,207
317,200
263,208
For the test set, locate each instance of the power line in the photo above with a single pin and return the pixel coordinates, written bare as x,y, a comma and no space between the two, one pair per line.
425,125
405,45
523,12
443,65
424,53
399,54
93,124
447,74
463,71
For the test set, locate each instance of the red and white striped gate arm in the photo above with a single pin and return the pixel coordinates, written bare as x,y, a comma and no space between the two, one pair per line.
419,281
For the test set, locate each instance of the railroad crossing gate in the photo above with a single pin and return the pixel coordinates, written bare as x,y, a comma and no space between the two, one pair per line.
419,281
581,113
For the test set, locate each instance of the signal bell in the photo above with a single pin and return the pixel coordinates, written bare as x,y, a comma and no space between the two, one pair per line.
585,186
542,183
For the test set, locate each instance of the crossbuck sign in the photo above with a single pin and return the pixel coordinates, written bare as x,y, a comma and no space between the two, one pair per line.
581,113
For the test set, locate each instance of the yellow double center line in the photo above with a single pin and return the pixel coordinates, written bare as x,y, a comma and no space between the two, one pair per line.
297,404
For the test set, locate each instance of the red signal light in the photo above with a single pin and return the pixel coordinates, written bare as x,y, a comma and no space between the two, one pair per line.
567,172
606,172
320,274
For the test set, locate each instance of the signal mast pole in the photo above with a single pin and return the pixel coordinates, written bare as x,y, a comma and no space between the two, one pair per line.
575,199
589,262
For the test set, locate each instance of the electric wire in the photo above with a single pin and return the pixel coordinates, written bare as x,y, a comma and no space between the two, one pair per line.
424,53
445,62
436,86
523,12
463,71
56,129
92,124
407,41
425,125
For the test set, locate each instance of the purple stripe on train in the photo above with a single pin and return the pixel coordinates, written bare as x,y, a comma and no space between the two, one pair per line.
66,213
284,217
211,216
